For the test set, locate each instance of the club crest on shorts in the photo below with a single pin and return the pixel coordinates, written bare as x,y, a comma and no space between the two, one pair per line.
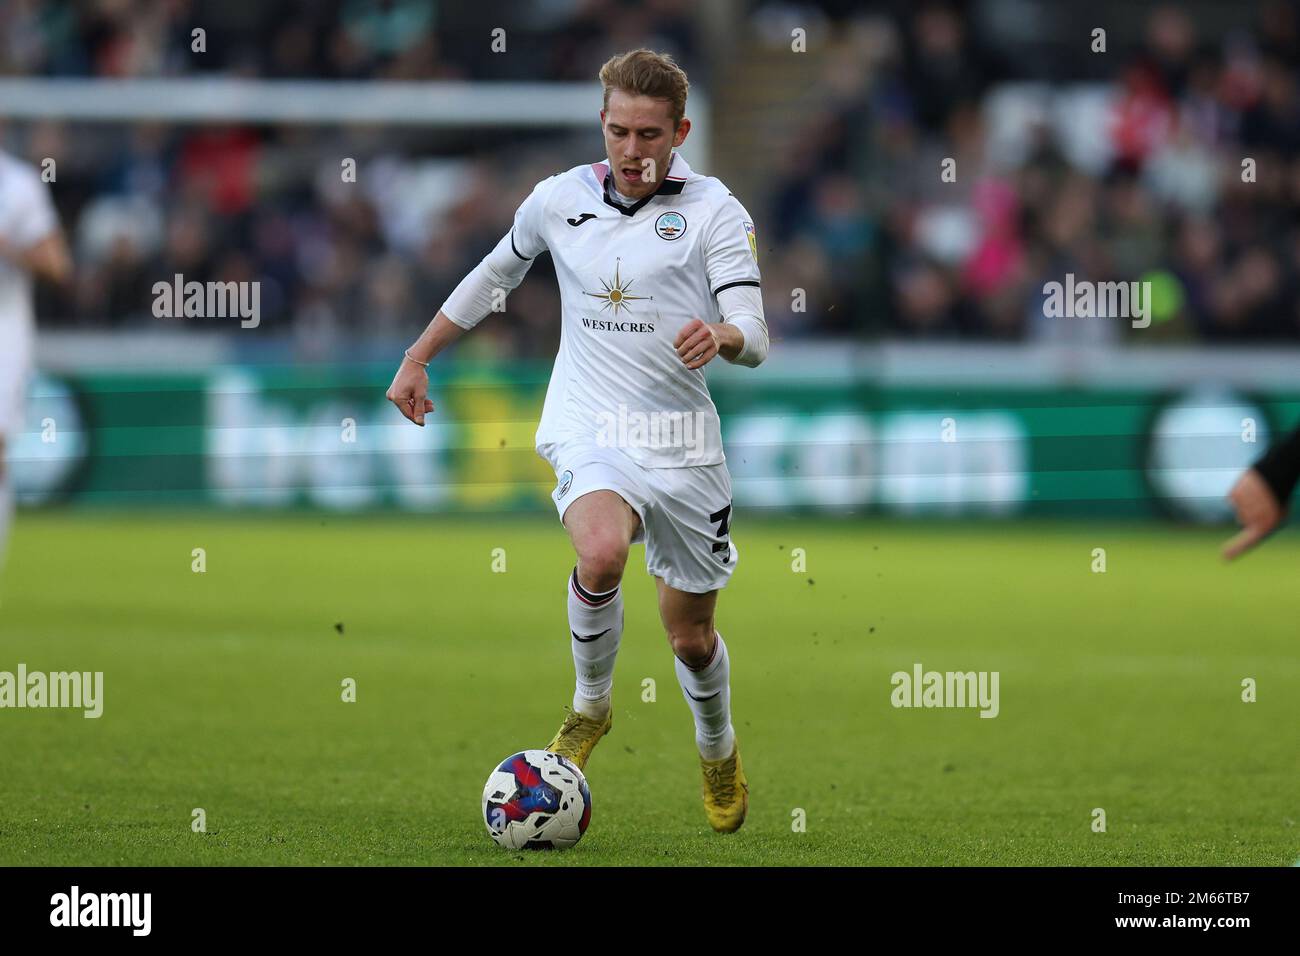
670,225
566,481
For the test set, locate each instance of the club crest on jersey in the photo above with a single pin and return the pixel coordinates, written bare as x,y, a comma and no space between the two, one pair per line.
670,225
566,482
753,240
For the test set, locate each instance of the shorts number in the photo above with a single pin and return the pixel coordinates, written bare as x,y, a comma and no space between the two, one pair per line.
723,518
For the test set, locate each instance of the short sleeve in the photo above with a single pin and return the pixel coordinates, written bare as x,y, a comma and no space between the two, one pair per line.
731,248
528,234
30,216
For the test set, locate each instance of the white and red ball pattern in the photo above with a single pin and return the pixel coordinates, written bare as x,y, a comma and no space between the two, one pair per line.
536,800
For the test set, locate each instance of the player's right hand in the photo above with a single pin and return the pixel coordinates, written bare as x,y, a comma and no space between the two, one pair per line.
409,391
1258,511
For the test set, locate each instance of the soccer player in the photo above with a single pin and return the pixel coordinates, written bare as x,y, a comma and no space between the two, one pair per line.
658,274
31,245
1261,494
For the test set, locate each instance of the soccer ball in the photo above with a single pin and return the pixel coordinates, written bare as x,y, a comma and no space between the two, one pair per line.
536,800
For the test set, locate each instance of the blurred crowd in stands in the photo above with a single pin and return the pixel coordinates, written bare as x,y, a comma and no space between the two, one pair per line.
1126,165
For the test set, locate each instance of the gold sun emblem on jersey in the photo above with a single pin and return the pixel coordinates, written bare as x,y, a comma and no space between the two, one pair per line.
616,294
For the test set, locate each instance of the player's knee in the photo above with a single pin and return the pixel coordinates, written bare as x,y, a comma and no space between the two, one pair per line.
692,641
601,560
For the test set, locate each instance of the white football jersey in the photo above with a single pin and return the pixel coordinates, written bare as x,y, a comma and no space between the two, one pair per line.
26,217
630,277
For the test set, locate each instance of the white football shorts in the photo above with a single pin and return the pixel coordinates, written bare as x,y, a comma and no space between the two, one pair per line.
685,512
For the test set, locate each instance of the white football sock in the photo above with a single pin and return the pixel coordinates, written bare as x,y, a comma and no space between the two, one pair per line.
596,628
708,694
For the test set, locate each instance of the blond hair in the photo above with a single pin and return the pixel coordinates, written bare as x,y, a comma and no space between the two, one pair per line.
647,73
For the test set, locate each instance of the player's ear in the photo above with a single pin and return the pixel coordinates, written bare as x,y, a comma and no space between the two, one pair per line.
679,135
602,119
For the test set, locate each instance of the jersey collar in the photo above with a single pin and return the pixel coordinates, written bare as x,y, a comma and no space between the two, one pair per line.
672,185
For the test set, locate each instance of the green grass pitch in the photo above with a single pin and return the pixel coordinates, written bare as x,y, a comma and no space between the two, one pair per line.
1119,691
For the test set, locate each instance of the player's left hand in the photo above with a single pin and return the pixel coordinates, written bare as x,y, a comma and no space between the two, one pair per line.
697,343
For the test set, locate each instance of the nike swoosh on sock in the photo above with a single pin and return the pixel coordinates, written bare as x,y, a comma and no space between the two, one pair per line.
693,697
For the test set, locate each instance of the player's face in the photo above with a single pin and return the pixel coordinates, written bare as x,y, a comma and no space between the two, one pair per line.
639,140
